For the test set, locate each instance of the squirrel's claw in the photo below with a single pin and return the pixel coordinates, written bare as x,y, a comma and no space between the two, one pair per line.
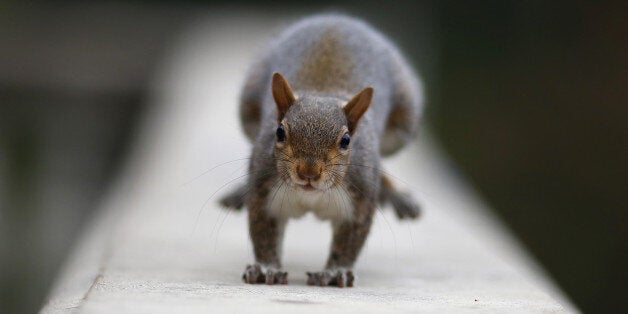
252,274
256,274
338,278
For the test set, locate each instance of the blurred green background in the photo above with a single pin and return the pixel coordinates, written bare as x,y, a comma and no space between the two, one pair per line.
527,97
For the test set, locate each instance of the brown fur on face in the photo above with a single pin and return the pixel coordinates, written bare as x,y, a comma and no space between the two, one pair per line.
311,152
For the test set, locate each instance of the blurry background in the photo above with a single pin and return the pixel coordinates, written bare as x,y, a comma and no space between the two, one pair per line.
528,98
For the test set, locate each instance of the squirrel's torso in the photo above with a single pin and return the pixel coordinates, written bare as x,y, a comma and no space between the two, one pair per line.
327,100
334,57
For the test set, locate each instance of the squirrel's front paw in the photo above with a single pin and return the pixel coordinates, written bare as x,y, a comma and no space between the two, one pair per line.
232,201
258,273
405,206
338,278
235,198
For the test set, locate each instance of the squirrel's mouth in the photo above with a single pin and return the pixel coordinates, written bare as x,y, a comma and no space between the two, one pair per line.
308,187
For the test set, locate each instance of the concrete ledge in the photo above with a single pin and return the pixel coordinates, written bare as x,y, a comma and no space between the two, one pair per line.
160,245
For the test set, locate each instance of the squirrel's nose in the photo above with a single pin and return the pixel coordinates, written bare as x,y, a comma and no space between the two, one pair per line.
305,173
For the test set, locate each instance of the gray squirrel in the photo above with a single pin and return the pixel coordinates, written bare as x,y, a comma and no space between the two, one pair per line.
329,98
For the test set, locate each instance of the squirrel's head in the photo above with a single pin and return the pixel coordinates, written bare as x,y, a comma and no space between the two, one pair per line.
313,137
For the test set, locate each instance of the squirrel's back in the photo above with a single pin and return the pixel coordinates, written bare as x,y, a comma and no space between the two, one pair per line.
330,54
336,55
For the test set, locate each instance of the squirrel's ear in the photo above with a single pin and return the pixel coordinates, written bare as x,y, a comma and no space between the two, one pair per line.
282,93
357,106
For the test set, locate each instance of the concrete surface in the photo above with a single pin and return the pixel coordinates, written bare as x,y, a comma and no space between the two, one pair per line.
160,243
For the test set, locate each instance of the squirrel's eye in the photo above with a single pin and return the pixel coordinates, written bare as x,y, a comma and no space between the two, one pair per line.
344,141
281,133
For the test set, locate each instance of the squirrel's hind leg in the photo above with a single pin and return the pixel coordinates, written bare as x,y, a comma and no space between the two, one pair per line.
256,84
405,206
406,107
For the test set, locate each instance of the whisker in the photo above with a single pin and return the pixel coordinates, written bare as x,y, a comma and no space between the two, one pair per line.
222,222
381,212
218,190
371,167
212,168
340,154
276,189
220,165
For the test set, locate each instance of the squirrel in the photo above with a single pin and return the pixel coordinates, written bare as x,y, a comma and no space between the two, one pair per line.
322,106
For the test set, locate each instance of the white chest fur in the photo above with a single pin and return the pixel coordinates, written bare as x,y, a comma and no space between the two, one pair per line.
332,204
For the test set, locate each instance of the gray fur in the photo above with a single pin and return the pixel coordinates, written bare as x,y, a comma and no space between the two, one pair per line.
326,59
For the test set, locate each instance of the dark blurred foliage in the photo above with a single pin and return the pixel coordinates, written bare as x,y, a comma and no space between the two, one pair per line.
532,106
528,98
73,80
